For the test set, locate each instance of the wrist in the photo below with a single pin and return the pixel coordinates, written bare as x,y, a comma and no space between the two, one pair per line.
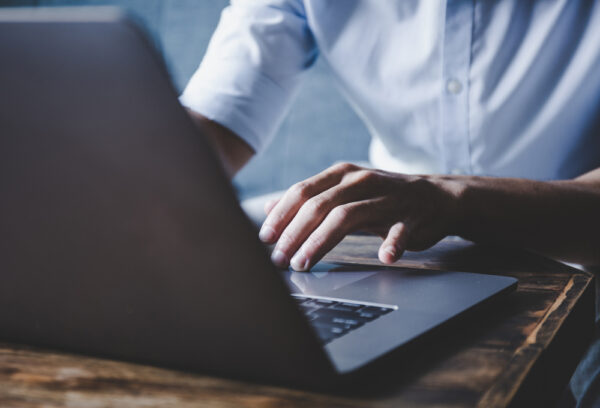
456,189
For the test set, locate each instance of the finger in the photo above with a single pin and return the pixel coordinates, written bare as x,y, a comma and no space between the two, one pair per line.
339,222
312,213
394,244
270,204
283,212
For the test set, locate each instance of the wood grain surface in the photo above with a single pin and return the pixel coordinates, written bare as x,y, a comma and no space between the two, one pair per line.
522,355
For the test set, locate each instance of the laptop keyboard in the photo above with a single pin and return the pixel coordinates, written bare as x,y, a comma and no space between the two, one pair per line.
333,318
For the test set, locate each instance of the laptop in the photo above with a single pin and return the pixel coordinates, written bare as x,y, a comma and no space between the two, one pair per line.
122,236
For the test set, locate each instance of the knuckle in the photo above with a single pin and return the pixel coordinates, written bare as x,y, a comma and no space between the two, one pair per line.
314,206
420,184
362,177
299,190
341,213
343,167
275,218
284,240
314,242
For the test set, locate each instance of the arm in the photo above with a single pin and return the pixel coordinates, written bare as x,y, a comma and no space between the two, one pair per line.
243,84
231,149
557,218
560,219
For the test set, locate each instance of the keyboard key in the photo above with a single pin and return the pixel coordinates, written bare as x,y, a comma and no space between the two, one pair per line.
376,310
367,316
347,322
308,308
325,335
312,303
335,329
342,308
332,319
331,313
353,306
311,316
336,321
325,302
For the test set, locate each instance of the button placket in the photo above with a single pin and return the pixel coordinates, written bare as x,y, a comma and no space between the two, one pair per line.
454,101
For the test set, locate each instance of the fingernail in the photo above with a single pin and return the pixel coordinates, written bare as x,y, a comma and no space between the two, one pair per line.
392,254
299,261
279,258
266,234
390,250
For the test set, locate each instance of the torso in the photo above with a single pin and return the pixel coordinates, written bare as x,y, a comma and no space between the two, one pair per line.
502,88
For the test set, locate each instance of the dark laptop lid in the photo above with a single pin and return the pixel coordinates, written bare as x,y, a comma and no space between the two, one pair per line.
121,235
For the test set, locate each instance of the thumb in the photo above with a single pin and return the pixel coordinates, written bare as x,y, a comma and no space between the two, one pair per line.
394,244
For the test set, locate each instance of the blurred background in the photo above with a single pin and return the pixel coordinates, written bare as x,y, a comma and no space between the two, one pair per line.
320,128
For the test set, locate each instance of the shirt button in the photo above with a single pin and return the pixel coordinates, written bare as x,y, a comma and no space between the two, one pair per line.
454,86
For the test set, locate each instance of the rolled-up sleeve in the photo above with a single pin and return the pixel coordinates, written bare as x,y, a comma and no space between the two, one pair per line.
252,68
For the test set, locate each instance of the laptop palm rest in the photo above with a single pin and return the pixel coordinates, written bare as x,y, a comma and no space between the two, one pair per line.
424,300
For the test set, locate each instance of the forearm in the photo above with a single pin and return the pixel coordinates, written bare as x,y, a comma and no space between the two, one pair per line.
233,152
560,219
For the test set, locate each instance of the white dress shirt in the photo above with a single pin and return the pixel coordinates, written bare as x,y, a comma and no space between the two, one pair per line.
495,87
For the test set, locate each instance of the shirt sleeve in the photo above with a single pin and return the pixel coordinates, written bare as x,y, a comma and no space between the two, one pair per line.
252,67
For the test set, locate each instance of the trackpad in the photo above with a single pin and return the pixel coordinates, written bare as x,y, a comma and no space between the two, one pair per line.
324,278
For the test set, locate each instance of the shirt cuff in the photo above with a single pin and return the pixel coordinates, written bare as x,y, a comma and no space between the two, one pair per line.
240,98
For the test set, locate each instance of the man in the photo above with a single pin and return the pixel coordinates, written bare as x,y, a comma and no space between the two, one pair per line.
506,89
485,117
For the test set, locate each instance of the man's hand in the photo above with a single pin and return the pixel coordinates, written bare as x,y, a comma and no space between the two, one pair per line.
559,219
409,212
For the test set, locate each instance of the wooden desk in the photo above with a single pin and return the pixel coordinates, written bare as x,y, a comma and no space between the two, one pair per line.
524,355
